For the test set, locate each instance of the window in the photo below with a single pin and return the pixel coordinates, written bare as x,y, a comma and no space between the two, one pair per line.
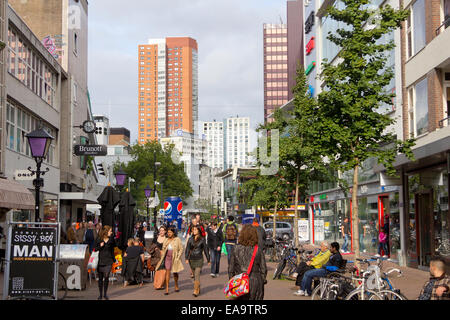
27,67
415,28
418,111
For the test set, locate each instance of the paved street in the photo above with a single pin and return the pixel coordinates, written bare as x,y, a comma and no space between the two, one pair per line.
410,285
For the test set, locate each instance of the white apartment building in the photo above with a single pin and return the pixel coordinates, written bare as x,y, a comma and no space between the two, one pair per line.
237,142
191,151
214,135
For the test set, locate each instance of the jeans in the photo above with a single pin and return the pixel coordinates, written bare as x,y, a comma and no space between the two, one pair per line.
346,242
215,260
308,277
230,249
384,246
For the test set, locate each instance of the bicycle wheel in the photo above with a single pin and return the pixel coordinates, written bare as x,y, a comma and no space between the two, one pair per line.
387,294
62,287
279,269
366,295
317,293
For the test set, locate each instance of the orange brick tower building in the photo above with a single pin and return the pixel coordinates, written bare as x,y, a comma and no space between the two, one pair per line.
168,87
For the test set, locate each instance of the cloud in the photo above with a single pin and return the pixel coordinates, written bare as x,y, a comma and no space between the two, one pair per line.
230,51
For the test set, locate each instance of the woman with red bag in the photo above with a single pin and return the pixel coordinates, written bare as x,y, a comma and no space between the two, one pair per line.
240,260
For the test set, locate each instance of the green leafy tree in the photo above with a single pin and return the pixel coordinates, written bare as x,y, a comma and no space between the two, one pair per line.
352,128
300,157
175,180
270,192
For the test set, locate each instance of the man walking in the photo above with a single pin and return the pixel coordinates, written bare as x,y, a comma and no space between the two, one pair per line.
346,235
215,240
230,231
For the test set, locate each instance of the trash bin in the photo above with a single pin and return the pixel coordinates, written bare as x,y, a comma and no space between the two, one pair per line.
74,260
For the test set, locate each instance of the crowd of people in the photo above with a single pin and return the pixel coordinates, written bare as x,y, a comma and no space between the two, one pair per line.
203,242
206,241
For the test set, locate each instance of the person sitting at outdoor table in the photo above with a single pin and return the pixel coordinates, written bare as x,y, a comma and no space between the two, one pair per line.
319,259
334,263
133,262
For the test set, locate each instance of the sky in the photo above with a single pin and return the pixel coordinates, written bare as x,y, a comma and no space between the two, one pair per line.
230,53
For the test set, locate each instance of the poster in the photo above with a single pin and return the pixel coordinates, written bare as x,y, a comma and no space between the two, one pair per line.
32,268
303,230
319,230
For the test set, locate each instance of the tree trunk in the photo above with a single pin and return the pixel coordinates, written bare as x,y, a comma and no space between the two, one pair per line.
274,235
296,216
355,216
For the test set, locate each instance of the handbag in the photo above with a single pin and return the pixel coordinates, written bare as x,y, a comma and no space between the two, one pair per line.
239,285
224,249
93,261
159,278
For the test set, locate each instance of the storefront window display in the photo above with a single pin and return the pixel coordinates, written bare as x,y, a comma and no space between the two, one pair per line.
428,217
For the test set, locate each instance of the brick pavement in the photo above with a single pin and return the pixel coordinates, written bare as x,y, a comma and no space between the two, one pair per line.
211,288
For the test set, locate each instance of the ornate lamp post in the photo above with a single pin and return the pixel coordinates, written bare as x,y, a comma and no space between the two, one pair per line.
121,176
148,193
155,167
39,141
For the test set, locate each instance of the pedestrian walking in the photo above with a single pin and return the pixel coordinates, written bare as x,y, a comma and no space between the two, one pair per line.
240,260
172,250
231,234
90,235
105,244
71,234
214,242
160,237
345,229
437,288
80,232
261,234
195,248
382,243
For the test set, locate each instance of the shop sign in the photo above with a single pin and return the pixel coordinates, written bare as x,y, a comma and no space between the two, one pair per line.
32,268
311,91
310,46
323,197
91,150
310,67
309,22
22,175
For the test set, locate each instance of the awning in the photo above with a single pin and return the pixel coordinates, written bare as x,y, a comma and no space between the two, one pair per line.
14,195
86,198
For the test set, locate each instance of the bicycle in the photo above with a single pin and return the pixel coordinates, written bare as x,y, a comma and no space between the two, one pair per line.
387,291
62,287
362,291
288,259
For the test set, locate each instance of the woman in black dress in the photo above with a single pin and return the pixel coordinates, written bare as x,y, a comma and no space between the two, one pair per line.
195,248
104,244
240,260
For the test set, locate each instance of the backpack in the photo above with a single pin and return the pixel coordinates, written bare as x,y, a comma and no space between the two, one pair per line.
230,232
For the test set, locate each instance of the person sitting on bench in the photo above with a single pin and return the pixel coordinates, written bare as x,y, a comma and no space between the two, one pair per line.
335,262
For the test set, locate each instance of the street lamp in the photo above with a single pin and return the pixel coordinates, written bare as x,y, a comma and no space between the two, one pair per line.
155,167
39,141
148,193
120,178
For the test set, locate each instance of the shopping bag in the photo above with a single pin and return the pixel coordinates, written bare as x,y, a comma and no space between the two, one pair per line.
93,261
239,285
224,249
158,280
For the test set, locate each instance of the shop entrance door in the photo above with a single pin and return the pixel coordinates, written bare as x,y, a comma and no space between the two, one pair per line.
383,218
424,227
